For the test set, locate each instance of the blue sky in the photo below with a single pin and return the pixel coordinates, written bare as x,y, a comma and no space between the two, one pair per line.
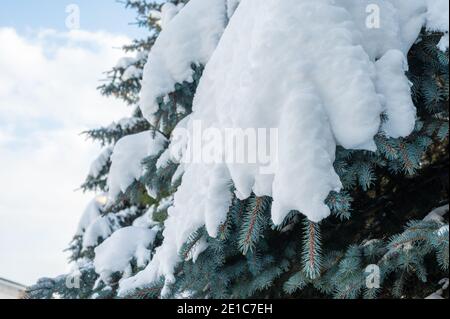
95,15
48,95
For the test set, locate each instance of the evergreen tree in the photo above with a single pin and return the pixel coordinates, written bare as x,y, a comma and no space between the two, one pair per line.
388,222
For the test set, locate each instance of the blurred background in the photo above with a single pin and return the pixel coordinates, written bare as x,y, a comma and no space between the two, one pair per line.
52,57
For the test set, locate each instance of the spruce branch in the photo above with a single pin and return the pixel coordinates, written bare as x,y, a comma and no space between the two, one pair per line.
255,222
312,250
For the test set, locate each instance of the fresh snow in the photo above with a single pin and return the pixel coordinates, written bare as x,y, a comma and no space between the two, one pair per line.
132,72
127,157
443,231
189,38
438,20
437,15
91,213
101,161
198,249
126,244
437,214
124,124
146,220
399,23
311,68
103,226
231,7
186,216
395,89
168,12
126,62
99,229
337,101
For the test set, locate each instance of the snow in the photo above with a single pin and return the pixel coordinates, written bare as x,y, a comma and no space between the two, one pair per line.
211,185
101,161
163,160
165,203
393,84
444,43
437,20
337,101
189,38
439,294
168,12
443,231
437,214
126,244
127,157
91,213
132,72
103,226
311,68
198,249
125,62
99,229
124,124
400,22
231,7
437,15
146,220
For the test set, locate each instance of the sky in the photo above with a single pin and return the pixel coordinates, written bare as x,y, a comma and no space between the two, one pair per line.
95,15
48,79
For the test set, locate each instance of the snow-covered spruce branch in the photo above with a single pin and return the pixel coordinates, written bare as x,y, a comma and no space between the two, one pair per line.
359,111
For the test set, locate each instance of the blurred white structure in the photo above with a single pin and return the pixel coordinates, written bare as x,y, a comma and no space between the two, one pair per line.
10,290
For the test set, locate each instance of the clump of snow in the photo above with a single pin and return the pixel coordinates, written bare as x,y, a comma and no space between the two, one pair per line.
437,20
443,231
132,72
91,213
99,229
437,15
163,160
311,68
387,24
101,161
321,87
393,84
103,226
186,216
127,158
198,249
439,294
165,203
189,38
125,62
231,7
444,43
168,12
437,214
146,220
126,244
124,124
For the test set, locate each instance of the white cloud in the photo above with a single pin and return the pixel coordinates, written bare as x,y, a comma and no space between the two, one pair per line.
48,96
